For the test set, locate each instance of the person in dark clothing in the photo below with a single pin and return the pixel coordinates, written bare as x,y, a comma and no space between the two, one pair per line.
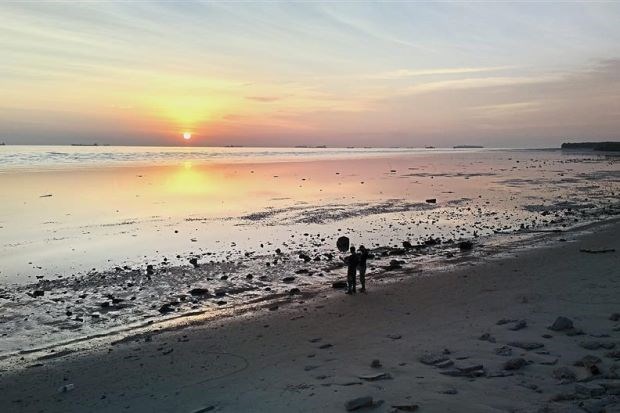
363,256
352,263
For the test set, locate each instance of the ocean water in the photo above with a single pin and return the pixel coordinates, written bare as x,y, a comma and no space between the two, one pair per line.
81,224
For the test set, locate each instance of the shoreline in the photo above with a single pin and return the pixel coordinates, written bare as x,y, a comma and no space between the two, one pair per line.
284,369
518,241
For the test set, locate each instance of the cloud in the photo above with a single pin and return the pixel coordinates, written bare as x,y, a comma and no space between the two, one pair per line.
263,98
406,73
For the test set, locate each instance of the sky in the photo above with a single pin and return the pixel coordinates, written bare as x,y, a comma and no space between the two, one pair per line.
341,73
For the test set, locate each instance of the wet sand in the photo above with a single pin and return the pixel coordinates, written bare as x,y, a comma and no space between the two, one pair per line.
314,354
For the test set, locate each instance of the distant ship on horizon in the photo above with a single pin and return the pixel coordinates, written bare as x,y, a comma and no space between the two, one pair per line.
467,147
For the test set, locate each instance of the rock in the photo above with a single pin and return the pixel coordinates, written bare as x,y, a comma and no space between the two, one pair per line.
503,351
305,257
339,284
166,308
487,337
204,409
564,374
376,377
198,292
406,407
615,317
587,361
394,336
432,358
358,403
444,364
431,201
595,345
289,279
471,371
194,262
37,293
613,354
515,364
589,390
343,246
612,387
561,324
66,388
505,321
150,270
526,345
294,291
449,390
521,324
407,245
466,245
376,364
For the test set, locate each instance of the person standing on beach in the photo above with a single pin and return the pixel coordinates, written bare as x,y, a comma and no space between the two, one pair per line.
363,256
352,263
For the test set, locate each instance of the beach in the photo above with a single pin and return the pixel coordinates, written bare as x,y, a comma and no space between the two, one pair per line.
316,353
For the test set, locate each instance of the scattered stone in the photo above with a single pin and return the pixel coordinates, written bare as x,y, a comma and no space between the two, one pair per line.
166,308
444,364
466,245
503,351
505,321
589,390
376,377
431,201
526,345
394,336
487,337
294,291
564,374
37,293
515,364
587,361
561,324
613,354
432,359
194,262
595,345
339,284
615,317
198,292
519,325
150,270
358,403
406,407
288,279
376,364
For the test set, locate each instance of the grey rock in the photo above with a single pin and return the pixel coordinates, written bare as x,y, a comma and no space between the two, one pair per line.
444,364
561,324
526,345
564,374
615,317
589,390
487,337
519,325
358,403
503,351
376,377
595,345
432,359
515,364
587,361
376,364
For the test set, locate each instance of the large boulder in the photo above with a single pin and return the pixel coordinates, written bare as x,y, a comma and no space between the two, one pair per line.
561,324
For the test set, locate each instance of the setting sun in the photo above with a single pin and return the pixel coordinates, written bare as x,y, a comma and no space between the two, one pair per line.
187,136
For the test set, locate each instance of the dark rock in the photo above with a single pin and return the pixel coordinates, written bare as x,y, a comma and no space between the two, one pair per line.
519,325
515,364
288,279
615,317
150,270
358,403
406,407
376,377
343,246
526,345
339,284
375,364
197,292
595,345
561,324
37,293
505,321
305,257
431,201
487,337
503,351
589,390
166,308
294,291
466,245
587,361
407,245
194,262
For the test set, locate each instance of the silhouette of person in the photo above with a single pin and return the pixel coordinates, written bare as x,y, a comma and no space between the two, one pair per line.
352,262
363,256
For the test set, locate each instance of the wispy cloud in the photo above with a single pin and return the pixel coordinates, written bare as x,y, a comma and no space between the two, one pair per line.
480,82
407,73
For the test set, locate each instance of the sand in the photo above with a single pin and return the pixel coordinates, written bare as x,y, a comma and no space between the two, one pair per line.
309,355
